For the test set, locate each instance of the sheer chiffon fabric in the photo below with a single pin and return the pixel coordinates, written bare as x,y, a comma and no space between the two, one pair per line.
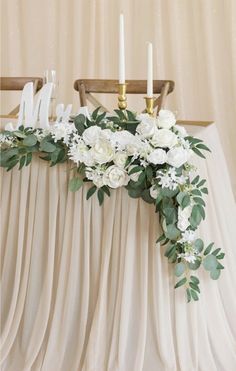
85,288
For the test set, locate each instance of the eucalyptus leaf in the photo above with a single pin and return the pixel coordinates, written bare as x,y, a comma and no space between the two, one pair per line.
179,269
215,274
172,232
210,262
75,184
208,248
194,295
194,266
195,280
30,140
170,250
22,162
91,191
199,153
199,200
28,159
185,201
95,113
181,282
47,146
194,286
199,245
100,195
188,295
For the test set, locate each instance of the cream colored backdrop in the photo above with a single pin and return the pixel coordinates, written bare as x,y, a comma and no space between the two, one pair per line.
194,43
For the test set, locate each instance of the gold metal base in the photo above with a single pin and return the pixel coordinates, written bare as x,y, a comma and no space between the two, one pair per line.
122,100
149,105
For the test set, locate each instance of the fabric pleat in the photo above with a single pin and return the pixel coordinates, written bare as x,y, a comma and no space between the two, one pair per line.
85,288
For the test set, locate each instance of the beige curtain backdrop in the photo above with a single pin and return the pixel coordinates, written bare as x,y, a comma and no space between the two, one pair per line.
194,44
84,287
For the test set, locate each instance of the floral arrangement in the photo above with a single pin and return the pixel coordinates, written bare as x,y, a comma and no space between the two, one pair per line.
148,156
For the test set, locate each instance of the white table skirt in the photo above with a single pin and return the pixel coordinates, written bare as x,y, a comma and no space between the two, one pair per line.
85,289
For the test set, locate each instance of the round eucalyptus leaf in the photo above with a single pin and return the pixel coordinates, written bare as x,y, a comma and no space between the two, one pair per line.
194,266
31,140
210,262
179,269
199,245
215,274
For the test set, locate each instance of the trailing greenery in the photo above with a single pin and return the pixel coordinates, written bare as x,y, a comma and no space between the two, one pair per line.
149,157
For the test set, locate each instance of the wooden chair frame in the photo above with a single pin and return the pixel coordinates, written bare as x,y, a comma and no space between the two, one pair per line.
16,84
87,86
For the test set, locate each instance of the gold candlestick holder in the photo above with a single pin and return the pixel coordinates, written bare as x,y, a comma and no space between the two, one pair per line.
149,105
122,100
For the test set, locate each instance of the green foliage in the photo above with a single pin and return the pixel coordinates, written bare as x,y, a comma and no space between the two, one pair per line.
75,184
167,201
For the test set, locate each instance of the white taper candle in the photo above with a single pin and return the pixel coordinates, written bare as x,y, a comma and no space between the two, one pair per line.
149,71
121,51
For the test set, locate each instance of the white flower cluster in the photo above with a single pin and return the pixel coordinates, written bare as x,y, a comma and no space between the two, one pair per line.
62,131
7,141
157,141
190,252
170,179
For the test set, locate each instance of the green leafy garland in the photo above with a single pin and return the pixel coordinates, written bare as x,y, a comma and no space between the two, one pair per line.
141,177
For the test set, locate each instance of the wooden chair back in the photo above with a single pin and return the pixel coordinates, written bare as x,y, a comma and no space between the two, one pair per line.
16,84
87,86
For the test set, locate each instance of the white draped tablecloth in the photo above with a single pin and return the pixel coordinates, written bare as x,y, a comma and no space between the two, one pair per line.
84,288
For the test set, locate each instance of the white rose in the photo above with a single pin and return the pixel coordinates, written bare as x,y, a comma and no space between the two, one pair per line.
102,151
91,135
158,156
135,147
181,131
106,134
134,176
183,217
147,127
154,191
122,138
164,138
120,159
115,177
166,119
177,156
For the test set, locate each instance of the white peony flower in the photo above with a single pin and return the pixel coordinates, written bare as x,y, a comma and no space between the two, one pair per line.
122,138
154,191
91,135
183,218
166,119
102,151
115,177
147,127
158,156
177,156
181,131
164,138
106,134
120,159
134,148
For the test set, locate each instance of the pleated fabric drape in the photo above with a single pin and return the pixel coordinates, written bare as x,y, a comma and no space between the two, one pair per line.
84,288
194,44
